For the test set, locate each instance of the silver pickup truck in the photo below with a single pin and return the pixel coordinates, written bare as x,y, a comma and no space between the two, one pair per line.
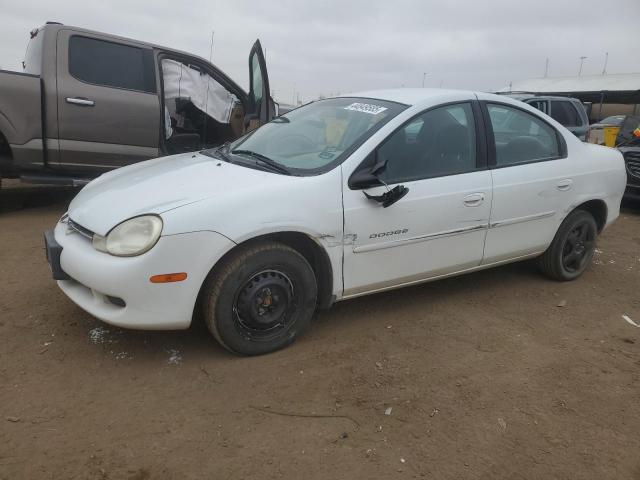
88,102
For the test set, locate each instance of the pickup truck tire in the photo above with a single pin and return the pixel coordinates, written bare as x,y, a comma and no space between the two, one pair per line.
260,299
572,248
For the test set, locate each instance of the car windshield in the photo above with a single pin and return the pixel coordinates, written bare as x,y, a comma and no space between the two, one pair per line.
316,137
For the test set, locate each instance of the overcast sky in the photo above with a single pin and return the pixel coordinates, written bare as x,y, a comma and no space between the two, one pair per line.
326,47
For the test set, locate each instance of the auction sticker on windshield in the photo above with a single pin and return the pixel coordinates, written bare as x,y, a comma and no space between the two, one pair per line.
366,108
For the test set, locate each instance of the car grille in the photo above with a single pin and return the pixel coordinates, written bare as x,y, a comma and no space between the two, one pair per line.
632,160
76,227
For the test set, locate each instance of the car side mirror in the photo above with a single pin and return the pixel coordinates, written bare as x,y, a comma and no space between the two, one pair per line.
366,176
389,197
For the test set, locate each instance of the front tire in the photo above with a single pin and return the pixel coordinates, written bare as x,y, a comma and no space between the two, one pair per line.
260,299
572,248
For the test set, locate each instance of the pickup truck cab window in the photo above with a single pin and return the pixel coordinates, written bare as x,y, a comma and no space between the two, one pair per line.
565,113
520,137
439,142
111,64
542,105
317,137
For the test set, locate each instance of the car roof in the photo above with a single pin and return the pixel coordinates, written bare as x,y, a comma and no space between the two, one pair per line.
419,96
530,96
407,96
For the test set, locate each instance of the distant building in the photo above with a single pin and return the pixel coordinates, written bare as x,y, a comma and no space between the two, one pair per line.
603,95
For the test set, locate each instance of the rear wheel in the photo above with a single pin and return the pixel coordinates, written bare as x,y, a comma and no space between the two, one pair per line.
260,299
572,248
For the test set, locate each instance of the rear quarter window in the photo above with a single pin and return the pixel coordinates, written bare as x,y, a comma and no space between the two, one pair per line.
521,137
111,64
33,57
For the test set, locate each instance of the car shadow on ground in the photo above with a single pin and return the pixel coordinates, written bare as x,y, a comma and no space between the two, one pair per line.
631,207
16,196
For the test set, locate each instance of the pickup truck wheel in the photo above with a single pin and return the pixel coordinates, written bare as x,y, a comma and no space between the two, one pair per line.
572,248
260,299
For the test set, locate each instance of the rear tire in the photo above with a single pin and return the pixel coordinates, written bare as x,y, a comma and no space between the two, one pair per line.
260,299
572,248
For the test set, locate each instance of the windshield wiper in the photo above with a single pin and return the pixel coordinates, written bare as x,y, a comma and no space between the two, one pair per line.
275,166
218,152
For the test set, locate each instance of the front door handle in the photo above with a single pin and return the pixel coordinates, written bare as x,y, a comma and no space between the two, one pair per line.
84,102
564,185
474,199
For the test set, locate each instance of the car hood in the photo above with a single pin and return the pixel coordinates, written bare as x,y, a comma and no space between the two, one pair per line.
156,186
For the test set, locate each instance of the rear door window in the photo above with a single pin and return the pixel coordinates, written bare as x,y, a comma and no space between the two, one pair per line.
565,113
111,64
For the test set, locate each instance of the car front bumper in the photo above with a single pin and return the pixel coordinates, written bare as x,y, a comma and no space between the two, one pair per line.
118,291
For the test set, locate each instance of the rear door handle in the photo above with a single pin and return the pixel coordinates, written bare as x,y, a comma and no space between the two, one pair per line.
474,199
564,185
84,102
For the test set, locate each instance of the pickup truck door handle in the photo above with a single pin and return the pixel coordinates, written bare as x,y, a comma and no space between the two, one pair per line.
564,185
84,102
474,199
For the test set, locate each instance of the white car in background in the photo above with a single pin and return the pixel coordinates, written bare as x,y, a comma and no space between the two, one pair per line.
340,198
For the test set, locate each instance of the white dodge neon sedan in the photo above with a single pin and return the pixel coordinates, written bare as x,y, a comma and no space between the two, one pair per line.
342,197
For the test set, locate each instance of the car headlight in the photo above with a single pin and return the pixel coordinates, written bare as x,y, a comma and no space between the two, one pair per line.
131,237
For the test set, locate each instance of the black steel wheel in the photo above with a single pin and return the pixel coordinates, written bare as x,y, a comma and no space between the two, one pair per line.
260,299
572,248
264,305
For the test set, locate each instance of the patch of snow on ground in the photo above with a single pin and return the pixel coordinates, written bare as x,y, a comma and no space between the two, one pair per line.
175,357
98,335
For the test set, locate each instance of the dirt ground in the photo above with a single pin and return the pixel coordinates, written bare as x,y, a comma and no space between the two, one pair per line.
485,376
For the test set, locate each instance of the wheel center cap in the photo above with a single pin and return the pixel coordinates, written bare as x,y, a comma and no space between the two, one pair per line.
266,301
263,302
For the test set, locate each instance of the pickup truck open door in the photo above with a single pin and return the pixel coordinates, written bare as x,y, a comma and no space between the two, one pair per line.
261,105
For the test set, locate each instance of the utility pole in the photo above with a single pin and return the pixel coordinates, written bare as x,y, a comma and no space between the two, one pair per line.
546,68
424,75
211,48
606,59
582,59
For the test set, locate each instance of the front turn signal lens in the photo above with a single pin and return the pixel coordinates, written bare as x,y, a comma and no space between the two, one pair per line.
168,277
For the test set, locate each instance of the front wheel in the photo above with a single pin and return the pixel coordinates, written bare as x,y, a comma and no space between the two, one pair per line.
572,248
260,299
